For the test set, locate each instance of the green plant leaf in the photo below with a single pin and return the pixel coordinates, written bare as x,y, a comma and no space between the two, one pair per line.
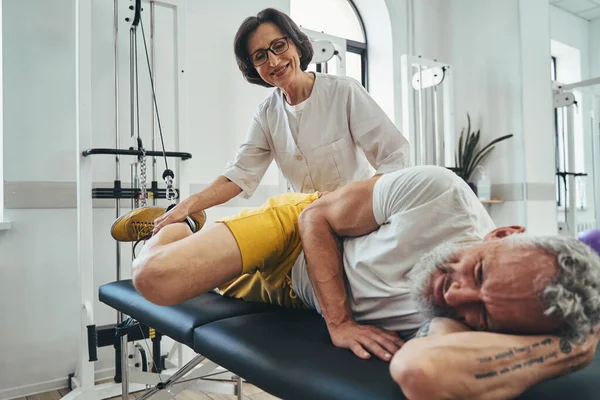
460,147
468,156
497,140
470,150
479,160
464,146
468,124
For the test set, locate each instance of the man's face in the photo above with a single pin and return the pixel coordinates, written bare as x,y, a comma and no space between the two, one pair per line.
489,286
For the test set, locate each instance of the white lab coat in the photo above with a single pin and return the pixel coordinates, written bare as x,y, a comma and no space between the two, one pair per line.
343,136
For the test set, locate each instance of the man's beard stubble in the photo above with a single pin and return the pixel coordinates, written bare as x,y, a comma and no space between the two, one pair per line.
421,278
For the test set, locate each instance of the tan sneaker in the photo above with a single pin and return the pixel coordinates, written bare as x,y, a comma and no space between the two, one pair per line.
139,224
136,225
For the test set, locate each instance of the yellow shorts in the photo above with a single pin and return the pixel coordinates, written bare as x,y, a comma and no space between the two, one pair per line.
269,243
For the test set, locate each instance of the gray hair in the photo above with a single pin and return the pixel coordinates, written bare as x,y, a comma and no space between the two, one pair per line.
573,295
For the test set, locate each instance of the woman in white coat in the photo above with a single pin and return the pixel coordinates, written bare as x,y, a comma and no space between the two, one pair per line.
323,131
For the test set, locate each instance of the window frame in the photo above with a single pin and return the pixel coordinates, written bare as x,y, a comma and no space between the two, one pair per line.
360,48
356,47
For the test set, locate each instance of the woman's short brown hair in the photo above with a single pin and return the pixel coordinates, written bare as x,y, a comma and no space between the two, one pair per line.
285,25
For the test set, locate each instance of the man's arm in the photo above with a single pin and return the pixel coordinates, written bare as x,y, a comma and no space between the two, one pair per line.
440,326
345,212
483,365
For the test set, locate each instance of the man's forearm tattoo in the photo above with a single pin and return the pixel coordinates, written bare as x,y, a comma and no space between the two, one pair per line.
519,366
564,345
514,350
424,331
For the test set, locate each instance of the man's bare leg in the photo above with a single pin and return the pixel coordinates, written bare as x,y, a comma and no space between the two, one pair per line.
176,265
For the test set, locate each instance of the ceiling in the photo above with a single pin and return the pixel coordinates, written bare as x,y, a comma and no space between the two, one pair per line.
586,9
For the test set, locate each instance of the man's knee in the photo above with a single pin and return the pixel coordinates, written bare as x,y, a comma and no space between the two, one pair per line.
151,269
147,273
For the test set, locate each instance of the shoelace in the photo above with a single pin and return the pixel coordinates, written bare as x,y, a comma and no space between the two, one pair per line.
142,229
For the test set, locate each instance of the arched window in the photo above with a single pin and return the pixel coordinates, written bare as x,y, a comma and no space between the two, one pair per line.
338,22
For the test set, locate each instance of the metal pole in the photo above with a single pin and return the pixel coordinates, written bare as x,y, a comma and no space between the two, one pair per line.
124,375
422,150
116,84
132,94
123,341
239,388
117,132
84,218
595,158
588,82
571,216
438,155
132,83
153,77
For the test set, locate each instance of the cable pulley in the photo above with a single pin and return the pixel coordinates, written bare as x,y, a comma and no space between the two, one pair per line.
168,175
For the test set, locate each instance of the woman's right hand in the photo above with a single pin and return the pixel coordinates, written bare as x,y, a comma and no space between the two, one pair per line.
176,214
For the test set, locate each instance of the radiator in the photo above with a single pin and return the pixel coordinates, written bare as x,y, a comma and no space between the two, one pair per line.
583,226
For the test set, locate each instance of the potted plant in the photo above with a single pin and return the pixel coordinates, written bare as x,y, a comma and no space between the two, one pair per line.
469,156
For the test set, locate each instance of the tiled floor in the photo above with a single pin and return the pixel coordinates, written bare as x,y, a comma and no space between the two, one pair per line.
250,392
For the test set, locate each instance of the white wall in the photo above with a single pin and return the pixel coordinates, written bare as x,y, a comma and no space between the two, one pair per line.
573,31
39,287
594,32
482,42
221,101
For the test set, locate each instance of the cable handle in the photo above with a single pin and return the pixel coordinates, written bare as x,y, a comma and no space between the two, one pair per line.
171,193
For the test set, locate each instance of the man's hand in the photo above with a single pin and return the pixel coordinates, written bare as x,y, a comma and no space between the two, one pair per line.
590,345
365,340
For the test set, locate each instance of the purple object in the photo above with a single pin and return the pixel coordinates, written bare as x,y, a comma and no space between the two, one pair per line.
591,238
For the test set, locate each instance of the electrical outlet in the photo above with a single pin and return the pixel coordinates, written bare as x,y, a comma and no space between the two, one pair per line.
562,228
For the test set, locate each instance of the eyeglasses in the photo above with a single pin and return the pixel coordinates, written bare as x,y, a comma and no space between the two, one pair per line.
278,46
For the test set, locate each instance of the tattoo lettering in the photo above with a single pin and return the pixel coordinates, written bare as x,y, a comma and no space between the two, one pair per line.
486,375
423,331
565,346
537,360
504,355
522,349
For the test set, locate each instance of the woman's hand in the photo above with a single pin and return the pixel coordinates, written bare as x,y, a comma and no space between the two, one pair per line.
176,214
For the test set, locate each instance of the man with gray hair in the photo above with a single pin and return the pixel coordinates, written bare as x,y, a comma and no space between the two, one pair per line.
405,254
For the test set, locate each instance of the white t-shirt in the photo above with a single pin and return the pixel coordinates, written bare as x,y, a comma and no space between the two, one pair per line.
417,209
342,136
294,114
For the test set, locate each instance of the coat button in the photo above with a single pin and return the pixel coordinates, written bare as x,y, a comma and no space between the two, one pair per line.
299,158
